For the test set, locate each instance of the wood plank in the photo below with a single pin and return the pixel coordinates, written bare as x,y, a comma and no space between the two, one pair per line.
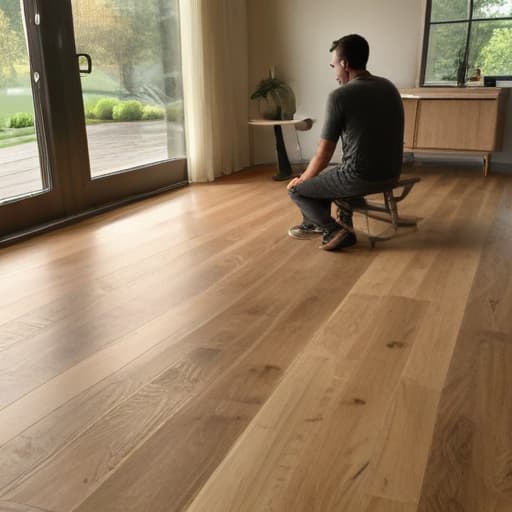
274,442
403,446
9,506
469,464
386,505
385,271
119,312
151,349
279,461
447,285
246,386
455,93
76,261
285,378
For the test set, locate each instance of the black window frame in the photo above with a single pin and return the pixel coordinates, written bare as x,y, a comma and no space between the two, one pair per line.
469,20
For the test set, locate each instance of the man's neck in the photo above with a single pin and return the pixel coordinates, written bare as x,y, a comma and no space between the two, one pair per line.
355,73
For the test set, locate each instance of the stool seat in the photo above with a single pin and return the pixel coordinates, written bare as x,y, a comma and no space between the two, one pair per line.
385,211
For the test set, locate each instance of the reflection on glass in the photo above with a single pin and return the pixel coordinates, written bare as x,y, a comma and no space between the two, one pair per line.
492,8
490,45
445,51
133,97
20,171
450,10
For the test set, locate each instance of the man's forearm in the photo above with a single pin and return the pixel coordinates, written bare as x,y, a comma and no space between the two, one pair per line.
317,164
321,159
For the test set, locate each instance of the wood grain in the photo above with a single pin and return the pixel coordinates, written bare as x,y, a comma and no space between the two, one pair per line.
470,458
184,354
9,506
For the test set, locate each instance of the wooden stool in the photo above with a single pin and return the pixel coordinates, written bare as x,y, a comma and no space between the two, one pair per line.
385,211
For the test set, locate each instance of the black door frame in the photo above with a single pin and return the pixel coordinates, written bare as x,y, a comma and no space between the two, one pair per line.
63,138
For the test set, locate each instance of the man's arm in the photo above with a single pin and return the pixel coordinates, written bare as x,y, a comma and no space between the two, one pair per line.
318,163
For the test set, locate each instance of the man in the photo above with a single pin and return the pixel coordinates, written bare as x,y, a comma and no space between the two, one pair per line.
366,112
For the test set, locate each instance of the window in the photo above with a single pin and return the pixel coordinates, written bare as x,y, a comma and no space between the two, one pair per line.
466,40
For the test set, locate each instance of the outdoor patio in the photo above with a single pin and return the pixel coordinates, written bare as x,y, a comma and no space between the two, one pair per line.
112,147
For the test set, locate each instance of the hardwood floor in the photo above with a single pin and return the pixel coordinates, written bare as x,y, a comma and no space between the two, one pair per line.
184,354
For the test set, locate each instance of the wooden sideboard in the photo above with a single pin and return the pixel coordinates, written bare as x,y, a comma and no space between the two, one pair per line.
466,119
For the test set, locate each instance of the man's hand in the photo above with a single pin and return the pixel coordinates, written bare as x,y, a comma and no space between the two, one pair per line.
294,182
318,163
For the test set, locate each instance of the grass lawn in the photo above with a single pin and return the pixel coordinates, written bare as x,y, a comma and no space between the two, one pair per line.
17,141
99,85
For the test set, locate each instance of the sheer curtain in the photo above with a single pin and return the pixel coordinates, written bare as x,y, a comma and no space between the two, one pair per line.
215,83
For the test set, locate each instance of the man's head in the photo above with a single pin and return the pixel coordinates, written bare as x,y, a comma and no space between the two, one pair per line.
350,53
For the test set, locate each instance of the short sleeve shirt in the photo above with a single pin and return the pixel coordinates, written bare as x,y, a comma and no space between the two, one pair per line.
367,115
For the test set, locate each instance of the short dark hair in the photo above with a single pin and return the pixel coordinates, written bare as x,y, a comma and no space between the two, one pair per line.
354,49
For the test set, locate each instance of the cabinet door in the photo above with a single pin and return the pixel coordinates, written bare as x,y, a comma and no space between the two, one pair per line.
410,108
457,124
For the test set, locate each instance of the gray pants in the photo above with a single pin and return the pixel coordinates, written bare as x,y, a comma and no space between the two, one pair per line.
314,196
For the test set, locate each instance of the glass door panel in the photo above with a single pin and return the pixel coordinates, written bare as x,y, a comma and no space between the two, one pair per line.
132,94
52,164
20,166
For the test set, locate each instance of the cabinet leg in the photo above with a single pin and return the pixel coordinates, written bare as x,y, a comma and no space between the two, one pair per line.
486,163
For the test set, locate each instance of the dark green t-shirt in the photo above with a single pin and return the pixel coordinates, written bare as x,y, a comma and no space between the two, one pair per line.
367,114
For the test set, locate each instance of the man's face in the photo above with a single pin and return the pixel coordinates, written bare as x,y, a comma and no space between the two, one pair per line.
339,68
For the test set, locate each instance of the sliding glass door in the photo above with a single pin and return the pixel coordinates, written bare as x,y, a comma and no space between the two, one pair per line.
132,92
20,167
96,115
28,189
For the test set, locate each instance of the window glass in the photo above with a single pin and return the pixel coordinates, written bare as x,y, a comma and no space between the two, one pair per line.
490,47
492,8
20,170
449,60
133,97
449,10
445,51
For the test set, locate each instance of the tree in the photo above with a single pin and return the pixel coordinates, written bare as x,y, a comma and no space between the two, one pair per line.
117,34
496,58
12,10
11,50
447,41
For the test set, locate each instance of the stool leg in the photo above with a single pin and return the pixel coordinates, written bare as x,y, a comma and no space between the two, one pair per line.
370,237
391,204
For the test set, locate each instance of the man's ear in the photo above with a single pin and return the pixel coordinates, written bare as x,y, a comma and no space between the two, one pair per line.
343,64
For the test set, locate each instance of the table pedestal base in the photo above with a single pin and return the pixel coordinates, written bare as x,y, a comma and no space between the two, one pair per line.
284,169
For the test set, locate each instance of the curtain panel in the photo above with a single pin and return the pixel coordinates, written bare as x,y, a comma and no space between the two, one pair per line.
215,82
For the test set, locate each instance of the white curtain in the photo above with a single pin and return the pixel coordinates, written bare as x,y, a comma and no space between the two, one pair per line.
215,83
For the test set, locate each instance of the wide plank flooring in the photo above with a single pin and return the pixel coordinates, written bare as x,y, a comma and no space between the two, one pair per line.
184,354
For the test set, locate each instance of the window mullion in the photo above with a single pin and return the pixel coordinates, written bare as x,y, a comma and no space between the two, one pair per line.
468,37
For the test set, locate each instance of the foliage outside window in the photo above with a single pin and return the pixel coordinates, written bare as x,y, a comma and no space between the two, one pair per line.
466,40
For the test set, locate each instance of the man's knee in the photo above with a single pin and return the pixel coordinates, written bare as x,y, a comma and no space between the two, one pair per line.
292,193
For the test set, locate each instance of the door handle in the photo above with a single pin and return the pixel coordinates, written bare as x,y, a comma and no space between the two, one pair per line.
87,57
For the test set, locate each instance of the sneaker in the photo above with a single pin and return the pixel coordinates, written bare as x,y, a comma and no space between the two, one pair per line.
338,239
305,231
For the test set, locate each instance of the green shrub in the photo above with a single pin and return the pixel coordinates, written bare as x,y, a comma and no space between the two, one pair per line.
104,108
21,120
128,111
151,112
175,111
89,113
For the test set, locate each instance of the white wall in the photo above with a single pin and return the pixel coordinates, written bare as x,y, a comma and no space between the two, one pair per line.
295,36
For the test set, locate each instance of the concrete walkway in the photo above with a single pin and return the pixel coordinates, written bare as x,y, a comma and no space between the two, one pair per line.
112,147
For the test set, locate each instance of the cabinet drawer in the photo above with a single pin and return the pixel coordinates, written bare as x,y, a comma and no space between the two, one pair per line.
457,124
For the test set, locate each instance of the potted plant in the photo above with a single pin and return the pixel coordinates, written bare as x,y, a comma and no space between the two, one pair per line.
276,99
